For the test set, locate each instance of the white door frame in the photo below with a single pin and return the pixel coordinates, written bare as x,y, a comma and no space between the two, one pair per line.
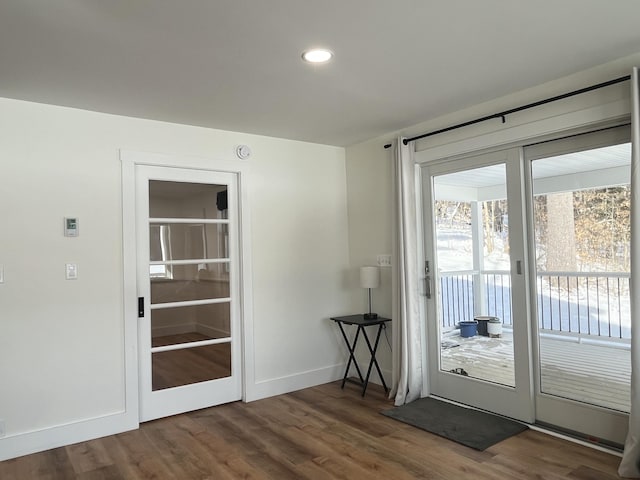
129,160
544,123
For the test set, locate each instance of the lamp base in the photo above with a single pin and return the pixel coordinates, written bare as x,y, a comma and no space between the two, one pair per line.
370,316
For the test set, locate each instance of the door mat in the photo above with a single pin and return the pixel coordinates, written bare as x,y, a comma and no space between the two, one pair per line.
469,427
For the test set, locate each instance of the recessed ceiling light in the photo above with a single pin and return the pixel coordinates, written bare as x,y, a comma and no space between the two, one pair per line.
317,55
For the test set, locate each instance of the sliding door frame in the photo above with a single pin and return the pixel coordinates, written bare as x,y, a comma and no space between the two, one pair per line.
552,410
545,123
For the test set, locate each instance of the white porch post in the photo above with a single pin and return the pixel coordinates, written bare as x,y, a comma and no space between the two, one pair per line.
479,303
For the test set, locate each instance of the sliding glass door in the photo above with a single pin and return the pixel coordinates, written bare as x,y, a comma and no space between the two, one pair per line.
478,307
580,218
527,271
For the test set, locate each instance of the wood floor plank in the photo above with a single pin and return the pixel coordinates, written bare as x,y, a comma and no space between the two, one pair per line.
50,465
88,456
377,446
226,461
359,451
110,472
587,473
136,456
556,452
440,456
187,446
319,433
255,440
345,410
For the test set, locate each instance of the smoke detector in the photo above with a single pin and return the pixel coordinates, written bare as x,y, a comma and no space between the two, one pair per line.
243,152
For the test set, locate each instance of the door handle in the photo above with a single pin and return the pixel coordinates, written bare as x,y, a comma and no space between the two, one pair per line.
140,307
427,286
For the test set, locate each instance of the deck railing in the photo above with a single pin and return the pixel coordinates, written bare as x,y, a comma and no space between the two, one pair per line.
594,304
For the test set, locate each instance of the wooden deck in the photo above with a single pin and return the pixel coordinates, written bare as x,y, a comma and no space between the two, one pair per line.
594,374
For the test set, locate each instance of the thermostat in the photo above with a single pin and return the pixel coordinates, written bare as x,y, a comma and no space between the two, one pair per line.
70,227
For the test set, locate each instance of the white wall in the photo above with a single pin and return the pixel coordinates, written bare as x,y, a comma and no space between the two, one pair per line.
300,259
61,342
370,207
369,174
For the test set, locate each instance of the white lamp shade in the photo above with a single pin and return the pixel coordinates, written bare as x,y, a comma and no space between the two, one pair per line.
369,277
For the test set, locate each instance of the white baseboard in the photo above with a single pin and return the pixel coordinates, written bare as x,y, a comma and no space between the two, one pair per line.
291,383
173,329
211,331
20,444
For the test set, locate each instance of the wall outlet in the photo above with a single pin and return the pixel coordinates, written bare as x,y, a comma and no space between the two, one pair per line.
384,260
3,431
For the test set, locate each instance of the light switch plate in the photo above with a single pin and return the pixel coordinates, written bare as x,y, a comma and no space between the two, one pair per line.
71,271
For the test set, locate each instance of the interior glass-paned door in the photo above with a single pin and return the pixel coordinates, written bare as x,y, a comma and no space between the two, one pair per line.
190,338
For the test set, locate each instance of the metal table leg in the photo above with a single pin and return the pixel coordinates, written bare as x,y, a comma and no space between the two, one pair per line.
352,358
373,360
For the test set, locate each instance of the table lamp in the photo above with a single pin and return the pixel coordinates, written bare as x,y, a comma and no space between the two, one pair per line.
370,278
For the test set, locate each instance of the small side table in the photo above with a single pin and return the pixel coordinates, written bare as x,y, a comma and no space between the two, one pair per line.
361,323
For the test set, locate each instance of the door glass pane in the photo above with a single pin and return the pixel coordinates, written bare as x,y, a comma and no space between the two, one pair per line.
186,200
192,241
179,241
190,324
582,232
472,252
187,283
190,365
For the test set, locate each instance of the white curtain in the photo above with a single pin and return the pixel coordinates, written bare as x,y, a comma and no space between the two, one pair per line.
407,336
630,465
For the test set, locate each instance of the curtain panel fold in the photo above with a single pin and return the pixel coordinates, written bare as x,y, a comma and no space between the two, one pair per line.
630,465
407,333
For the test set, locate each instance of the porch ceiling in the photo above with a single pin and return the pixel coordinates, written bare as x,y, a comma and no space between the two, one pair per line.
587,169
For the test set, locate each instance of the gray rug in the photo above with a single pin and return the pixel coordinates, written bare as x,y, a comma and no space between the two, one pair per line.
469,427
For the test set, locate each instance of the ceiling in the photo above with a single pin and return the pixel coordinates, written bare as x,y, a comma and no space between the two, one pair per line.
235,64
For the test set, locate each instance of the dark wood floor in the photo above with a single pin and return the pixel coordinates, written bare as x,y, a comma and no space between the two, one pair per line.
317,433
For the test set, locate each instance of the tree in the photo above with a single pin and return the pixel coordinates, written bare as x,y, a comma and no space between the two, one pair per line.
561,233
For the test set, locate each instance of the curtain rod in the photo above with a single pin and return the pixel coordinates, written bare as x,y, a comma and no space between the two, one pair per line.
503,114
